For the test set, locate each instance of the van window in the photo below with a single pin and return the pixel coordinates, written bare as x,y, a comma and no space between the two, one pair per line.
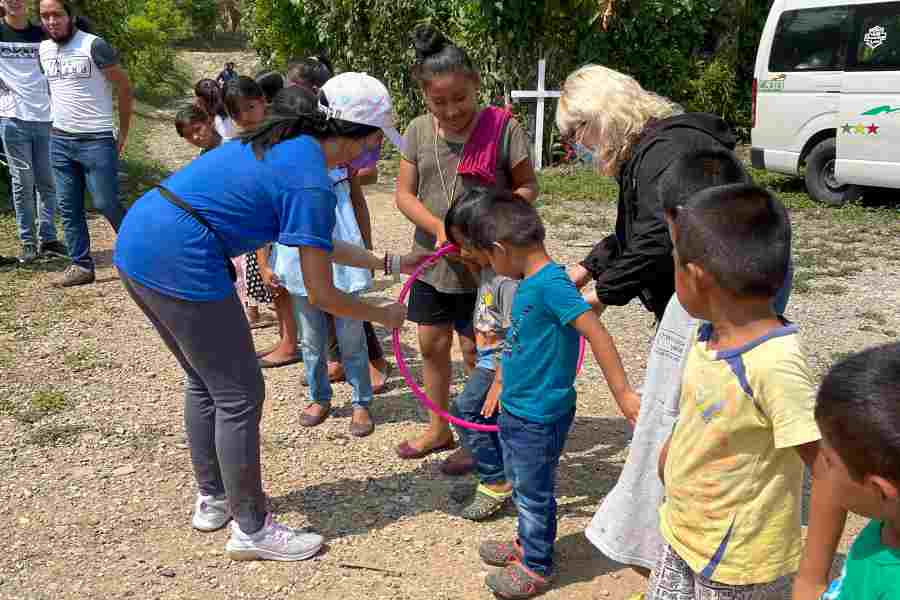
876,37
813,39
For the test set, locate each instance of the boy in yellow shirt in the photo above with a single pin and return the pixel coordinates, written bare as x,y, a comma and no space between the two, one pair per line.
733,467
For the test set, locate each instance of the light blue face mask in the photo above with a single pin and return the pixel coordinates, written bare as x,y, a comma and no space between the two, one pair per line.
584,154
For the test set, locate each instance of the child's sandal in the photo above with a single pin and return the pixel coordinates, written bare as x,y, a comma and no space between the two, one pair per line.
485,503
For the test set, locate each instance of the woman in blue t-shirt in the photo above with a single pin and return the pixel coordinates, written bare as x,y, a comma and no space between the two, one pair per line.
173,255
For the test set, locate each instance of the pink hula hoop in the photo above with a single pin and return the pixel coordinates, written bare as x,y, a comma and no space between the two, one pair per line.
404,369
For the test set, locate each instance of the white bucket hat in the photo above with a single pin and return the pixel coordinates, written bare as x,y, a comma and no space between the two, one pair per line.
360,98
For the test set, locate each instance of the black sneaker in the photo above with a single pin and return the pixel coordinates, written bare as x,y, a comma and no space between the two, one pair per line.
54,248
29,254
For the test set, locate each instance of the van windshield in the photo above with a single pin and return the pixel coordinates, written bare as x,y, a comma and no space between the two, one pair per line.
813,39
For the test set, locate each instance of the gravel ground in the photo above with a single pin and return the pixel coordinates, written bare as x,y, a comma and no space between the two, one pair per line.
96,481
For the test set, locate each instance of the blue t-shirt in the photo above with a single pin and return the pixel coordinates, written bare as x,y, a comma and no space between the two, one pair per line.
287,197
541,354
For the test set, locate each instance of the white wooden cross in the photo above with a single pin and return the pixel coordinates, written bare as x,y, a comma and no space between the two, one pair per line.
540,94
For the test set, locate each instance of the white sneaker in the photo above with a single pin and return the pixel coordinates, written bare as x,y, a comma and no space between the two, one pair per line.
210,513
273,542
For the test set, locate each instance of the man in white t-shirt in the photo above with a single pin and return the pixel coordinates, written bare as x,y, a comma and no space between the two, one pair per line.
25,130
83,71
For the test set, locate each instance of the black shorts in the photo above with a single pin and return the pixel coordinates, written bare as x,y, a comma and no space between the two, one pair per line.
428,306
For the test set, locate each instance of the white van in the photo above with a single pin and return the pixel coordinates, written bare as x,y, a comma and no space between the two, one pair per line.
826,94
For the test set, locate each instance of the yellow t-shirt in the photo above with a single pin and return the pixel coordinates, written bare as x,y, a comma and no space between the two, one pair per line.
733,479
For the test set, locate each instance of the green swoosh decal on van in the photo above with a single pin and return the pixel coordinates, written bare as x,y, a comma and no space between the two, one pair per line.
881,110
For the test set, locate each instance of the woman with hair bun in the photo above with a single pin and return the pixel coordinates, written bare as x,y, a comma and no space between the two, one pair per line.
311,72
453,148
173,254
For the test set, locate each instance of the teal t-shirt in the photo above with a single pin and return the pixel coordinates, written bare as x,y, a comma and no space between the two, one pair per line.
541,353
872,570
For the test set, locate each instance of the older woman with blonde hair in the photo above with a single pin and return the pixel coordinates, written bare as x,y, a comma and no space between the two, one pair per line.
633,135
658,153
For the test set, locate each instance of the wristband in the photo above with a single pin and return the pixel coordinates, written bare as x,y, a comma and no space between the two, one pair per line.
387,264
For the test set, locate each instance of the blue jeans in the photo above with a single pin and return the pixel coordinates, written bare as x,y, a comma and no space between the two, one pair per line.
531,453
80,164
29,142
484,445
351,339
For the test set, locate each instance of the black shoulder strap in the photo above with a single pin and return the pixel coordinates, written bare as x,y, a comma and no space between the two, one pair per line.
168,195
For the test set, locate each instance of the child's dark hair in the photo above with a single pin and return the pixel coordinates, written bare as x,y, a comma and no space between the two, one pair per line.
294,112
504,217
465,212
270,82
188,115
858,410
312,72
240,88
209,94
738,233
696,171
436,55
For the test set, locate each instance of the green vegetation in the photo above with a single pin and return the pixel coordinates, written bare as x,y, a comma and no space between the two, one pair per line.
698,52
55,435
42,404
144,32
142,171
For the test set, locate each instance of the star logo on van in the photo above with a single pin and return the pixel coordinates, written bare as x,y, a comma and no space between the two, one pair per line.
859,129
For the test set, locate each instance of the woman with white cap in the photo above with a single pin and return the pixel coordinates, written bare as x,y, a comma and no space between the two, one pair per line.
173,254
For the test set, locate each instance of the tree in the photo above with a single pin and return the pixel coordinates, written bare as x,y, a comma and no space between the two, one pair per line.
662,43
143,32
233,9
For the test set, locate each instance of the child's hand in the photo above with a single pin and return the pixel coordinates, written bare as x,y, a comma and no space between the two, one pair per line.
630,404
469,263
394,315
410,262
271,280
808,590
490,404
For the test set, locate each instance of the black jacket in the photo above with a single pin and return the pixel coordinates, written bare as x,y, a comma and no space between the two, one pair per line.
636,261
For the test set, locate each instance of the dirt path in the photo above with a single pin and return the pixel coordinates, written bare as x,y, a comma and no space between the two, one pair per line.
96,481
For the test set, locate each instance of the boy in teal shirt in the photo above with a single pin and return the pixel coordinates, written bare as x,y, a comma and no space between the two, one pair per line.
537,403
858,411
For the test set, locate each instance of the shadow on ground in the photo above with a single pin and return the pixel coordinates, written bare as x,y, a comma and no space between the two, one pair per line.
349,506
